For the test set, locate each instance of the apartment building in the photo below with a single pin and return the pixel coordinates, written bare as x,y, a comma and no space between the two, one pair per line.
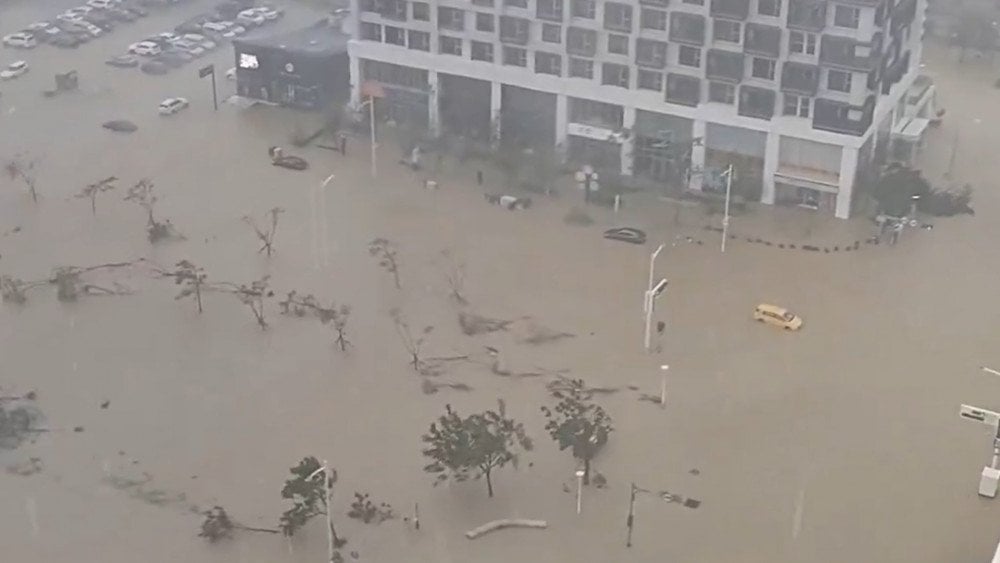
800,96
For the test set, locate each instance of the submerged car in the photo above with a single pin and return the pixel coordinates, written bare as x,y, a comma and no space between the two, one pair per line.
14,70
777,316
171,106
154,67
626,234
123,61
20,40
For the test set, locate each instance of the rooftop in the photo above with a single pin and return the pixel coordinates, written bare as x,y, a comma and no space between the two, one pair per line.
319,38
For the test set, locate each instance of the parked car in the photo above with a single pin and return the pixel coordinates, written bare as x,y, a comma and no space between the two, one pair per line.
191,47
175,56
777,316
230,8
268,13
101,4
137,11
14,70
194,24
250,18
65,41
20,40
219,27
123,61
237,28
165,38
145,49
154,67
626,234
206,43
171,106
39,26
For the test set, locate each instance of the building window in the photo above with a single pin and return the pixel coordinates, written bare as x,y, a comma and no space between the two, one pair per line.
726,30
371,31
551,33
516,3
581,68
451,18
548,63
796,105
581,41
846,16
762,68
689,56
721,93
614,75
549,9
653,19
650,53
769,7
481,51
618,44
695,2
650,80
418,40
485,22
800,42
483,3
514,30
617,16
395,35
421,11
838,81
449,45
515,56
586,9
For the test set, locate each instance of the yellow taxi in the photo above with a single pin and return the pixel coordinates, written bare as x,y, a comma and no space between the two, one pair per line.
777,316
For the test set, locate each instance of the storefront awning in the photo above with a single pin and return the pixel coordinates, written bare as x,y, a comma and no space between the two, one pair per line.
820,180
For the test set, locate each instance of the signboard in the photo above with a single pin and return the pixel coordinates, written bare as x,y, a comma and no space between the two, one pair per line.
976,414
206,71
592,132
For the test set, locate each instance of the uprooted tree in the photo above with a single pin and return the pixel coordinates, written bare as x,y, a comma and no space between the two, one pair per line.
190,277
265,236
413,344
143,194
578,424
218,526
91,191
254,296
22,168
69,282
472,447
309,495
385,251
302,305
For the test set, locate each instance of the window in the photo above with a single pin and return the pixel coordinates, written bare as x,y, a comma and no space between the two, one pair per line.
483,3
549,9
838,81
618,44
371,31
586,9
581,41
769,7
481,51
614,75
653,19
581,68
689,56
650,53
617,16
449,45
391,9
395,35
421,11
516,3
846,16
695,2
650,80
796,106
726,30
451,18
762,68
548,63
418,40
551,33
485,22
514,30
515,56
800,42
721,93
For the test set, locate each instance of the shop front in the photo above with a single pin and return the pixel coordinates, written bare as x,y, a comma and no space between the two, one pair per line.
662,149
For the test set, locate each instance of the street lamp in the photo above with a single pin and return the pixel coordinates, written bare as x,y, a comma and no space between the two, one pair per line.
327,478
579,490
587,178
725,217
663,385
652,264
651,296
666,496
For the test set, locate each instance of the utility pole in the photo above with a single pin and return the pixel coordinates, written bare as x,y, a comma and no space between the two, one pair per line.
666,496
331,536
651,296
725,216
209,70
629,522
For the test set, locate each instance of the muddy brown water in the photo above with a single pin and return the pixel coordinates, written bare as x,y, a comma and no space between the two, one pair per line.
838,443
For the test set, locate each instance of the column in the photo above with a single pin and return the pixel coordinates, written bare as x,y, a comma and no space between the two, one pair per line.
433,117
356,79
848,171
698,142
628,145
496,96
772,156
562,115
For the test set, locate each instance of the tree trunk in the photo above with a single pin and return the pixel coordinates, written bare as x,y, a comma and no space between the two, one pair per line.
586,471
197,295
93,205
489,484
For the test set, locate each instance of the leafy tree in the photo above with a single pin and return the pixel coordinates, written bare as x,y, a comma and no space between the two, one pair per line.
191,277
578,424
93,190
307,492
217,525
896,189
472,447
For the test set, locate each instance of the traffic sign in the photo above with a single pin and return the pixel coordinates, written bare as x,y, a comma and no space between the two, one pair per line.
983,416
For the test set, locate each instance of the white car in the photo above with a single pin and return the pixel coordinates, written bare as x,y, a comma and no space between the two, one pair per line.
237,29
190,46
221,28
250,17
205,42
167,36
269,14
171,106
21,40
145,48
101,4
14,70
70,17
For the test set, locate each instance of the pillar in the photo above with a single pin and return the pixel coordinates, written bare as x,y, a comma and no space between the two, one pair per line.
698,142
433,107
628,144
496,97
772,156
356,79
848,172
562,115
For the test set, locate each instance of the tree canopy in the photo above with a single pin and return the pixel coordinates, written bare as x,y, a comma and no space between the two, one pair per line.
896,189
578,424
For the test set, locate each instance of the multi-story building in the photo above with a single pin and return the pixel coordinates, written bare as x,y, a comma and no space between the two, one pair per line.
799,95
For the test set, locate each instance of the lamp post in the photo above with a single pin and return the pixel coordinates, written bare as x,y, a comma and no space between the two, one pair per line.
666,496
579,490
725,217
370,102
587,178
652,265
663,385
327,478
651,296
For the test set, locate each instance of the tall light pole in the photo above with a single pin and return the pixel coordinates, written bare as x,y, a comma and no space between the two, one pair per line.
652,265
327,478
663,385
579,490
370,102
725,216
651,296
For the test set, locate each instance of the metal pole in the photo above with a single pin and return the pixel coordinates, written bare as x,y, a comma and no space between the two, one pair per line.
371,126
725,217
579,491
630,521
652,262
663,385
647,339
215,97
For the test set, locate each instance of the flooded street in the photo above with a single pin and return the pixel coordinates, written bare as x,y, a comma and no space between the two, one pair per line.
838,443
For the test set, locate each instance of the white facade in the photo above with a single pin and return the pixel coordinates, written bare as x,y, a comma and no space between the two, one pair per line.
835,127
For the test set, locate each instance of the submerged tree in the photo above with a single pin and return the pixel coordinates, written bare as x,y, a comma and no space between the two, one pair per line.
385,252
412,344
308,492
899,189
578,424
300,306
472,447
143,194
266,237
190,277
91,191
253,296
455,276
218,526
363,509
23,168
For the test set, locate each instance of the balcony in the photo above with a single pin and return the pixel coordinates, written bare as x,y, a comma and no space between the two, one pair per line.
732,9
687,28
902,15
800,78
683,89
807,15
756,102
838,117
725,66
844,52
762,40
581,42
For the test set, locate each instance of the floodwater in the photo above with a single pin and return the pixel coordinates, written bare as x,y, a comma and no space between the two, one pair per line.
839,443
